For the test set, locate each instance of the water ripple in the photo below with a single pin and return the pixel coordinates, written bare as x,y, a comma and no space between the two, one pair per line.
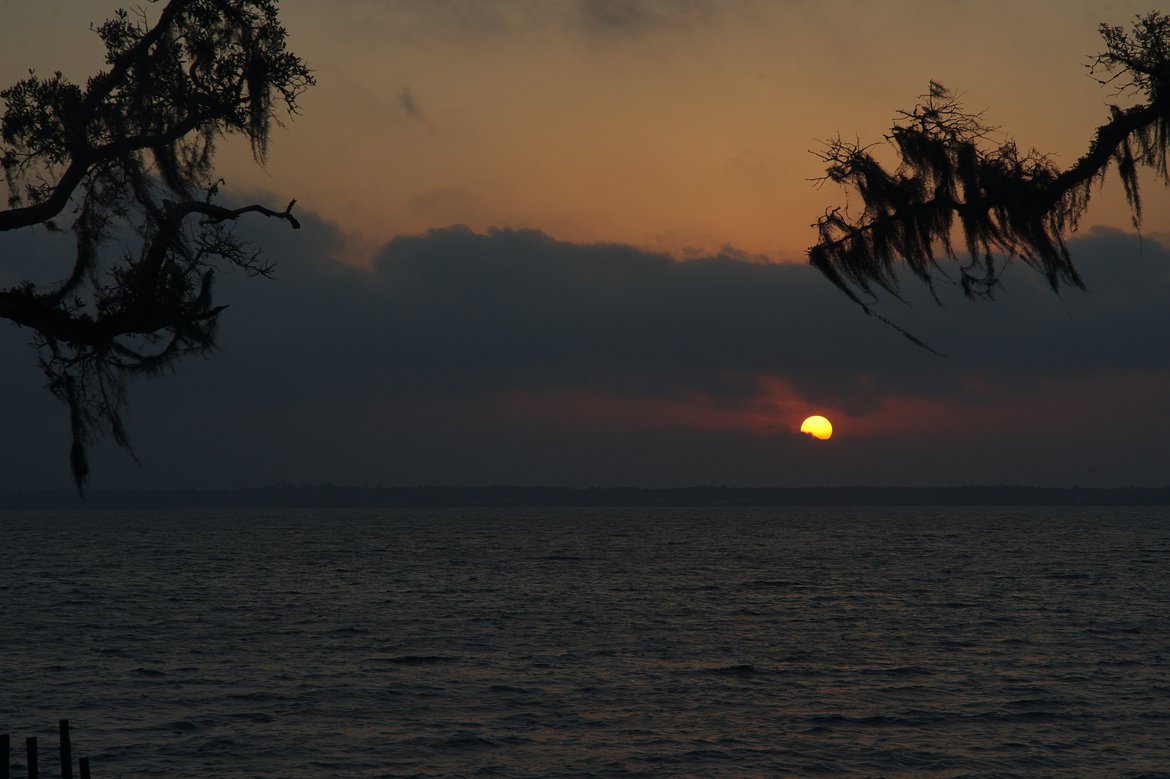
581,643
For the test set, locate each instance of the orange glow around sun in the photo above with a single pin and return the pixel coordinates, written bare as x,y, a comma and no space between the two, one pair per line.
817,427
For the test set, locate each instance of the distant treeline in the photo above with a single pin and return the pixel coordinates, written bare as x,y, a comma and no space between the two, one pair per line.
330,496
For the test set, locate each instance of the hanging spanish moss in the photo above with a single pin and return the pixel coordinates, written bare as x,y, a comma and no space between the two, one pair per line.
130,156
958,204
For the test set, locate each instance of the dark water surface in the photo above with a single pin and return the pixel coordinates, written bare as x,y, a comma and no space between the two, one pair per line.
609,643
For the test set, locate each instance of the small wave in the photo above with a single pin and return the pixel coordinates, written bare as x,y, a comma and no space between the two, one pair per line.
412,660
769,584
957,643
76,603
1028,715
901,670
825,722
1031,703
463,742
740,669
509,689
258,695
181,725
709,754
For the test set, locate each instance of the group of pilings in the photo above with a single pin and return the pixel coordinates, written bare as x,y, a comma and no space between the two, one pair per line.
30,746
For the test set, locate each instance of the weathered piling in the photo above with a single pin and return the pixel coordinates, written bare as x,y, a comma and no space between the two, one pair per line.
30,749
66,750
32,757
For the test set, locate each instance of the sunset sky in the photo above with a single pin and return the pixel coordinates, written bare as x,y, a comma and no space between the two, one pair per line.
563,242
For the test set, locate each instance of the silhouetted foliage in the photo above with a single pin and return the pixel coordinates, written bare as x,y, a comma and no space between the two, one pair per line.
128,157
1006,204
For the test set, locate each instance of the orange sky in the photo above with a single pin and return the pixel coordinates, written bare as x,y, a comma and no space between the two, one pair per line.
683,126
522,355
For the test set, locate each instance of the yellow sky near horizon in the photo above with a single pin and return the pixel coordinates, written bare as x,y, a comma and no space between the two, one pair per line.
684,126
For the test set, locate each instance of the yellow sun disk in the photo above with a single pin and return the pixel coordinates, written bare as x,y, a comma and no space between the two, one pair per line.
817,427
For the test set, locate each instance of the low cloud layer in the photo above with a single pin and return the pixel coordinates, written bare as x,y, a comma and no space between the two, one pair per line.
461,357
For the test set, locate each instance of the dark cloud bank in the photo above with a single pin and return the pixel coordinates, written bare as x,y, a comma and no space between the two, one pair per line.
465,358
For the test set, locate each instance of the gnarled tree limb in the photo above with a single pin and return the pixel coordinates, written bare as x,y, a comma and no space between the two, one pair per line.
130,154
1005,204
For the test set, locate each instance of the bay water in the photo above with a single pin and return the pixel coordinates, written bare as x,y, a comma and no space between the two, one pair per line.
770,642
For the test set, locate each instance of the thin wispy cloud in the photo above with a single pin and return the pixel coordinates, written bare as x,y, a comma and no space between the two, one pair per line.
411,107
638,17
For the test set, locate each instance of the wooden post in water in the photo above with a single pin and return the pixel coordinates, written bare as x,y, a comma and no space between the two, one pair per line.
30,748
4,767
66,750
84,766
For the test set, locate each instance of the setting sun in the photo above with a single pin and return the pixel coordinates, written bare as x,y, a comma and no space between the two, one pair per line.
817,427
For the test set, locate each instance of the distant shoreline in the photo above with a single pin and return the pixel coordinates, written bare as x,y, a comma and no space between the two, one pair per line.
331,496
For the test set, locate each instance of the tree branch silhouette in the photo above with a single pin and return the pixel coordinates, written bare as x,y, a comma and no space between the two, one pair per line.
130,156
1004,204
